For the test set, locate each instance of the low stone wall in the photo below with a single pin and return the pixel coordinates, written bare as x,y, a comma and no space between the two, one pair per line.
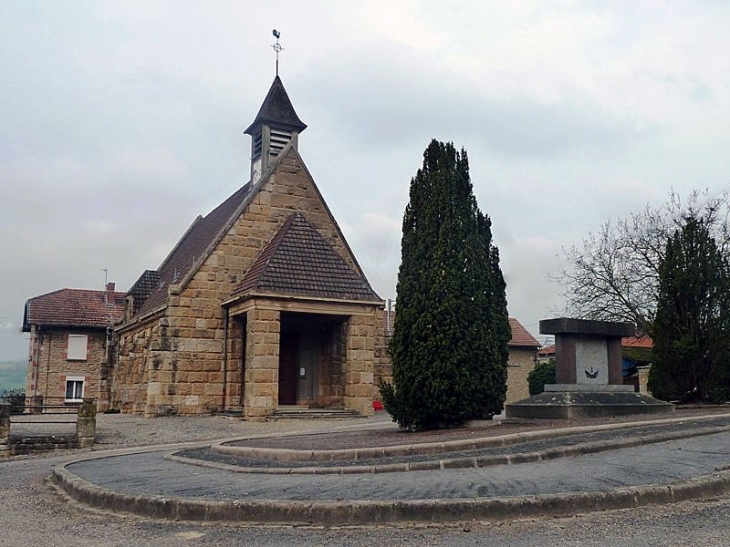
83,437
28,445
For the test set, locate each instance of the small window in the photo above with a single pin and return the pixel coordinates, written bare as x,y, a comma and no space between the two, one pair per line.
77,344
74,389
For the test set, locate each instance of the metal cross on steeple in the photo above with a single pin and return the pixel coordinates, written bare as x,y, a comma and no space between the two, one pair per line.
277,48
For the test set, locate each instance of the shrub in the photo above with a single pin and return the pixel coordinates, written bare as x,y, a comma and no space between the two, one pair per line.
449,344
543,373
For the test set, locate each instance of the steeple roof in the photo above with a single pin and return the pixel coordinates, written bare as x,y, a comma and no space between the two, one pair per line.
298,261
277,110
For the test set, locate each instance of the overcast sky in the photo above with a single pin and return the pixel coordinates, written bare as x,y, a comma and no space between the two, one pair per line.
123,120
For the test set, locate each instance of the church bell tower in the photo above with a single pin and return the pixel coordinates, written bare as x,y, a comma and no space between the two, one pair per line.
275,126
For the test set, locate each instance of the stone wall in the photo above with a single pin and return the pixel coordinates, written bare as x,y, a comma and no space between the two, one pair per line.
129,386
383,367
521,362
360,361
262,363
49,367
234,366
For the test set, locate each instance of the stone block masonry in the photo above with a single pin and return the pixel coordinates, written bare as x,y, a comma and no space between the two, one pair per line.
360,362
261,382
178,361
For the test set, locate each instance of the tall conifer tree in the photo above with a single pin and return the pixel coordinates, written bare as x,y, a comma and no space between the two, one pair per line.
692,323
449,344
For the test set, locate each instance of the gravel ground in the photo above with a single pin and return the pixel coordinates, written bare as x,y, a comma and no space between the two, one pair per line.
124,430
30,513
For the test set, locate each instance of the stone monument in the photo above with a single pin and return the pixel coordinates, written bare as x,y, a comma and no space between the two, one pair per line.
589,380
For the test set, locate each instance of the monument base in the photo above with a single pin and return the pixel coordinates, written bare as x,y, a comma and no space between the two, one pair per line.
564,405
593,388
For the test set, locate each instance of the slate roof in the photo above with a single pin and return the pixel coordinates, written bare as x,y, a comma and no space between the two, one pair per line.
276,110
521,338
201,234
147,282
73,308
298,261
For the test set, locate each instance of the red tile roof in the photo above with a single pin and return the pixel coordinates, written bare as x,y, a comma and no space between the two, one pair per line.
643,342
298,261
547,351
521,338
73,308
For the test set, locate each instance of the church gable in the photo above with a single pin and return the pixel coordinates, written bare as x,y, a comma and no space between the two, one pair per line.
299,262
218,249
291,189
285,190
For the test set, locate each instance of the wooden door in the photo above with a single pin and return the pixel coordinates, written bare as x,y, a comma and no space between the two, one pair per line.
288,368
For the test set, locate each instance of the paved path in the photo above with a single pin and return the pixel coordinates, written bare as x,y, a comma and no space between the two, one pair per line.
30,515
664,463
148,483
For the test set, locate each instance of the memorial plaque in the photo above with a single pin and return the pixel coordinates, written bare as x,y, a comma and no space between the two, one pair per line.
591,361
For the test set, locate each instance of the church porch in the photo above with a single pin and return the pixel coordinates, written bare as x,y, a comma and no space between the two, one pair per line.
305,355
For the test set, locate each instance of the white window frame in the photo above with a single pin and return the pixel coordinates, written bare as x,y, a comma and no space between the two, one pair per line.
78,346
75,380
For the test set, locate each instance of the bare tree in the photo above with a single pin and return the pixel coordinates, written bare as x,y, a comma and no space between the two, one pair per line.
614,276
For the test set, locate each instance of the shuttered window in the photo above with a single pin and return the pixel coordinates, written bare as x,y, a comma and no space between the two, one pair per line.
77,346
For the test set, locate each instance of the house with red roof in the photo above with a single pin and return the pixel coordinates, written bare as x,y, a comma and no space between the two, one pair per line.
260,306
71,344
522,348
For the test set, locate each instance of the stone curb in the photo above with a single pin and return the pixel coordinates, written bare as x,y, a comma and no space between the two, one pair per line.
291,455
383,512
458,463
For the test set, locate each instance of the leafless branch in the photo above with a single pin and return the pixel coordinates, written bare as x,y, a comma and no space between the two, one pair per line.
614,274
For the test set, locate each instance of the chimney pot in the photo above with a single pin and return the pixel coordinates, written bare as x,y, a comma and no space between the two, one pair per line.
109,296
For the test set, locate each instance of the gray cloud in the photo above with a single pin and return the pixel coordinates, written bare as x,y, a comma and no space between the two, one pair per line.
123,121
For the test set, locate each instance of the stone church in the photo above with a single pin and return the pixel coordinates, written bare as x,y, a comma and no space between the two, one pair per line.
260,305
260,308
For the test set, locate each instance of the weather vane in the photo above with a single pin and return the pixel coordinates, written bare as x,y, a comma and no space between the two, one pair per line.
277,48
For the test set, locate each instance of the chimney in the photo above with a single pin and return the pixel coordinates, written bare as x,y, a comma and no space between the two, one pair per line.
109,296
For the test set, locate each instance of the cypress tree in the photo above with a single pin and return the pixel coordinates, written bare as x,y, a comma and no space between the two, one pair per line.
692,323
449,344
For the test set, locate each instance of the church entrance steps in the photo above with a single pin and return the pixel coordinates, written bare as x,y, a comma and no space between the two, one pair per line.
302,412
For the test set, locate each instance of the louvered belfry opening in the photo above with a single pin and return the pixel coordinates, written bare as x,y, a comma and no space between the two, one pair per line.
279,139
257,145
